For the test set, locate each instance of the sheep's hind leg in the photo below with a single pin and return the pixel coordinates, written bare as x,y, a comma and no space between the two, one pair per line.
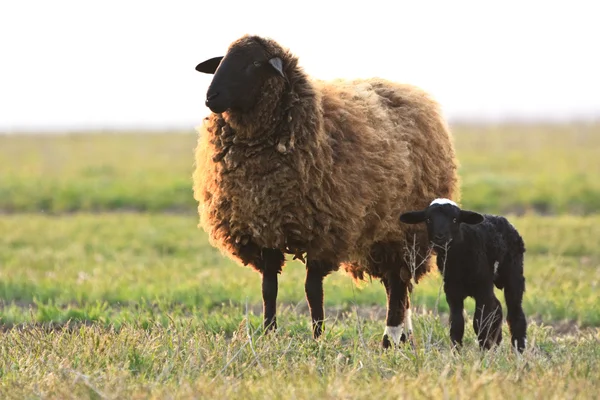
270,262
397,293
313,287
517,324
406,277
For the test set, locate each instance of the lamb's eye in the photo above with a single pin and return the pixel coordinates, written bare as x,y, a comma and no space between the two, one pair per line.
257,63
428,221
454,220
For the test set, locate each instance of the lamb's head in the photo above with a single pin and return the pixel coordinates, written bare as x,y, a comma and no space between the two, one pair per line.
443,218
241,75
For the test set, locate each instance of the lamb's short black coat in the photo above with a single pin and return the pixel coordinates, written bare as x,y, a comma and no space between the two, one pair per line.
474,253
474,258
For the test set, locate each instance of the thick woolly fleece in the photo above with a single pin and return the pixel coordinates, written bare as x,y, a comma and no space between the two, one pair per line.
324,170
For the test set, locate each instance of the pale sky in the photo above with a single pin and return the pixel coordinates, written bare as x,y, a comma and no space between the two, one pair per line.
131,63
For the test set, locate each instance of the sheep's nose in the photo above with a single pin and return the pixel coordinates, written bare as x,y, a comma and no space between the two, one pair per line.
210,97
438,238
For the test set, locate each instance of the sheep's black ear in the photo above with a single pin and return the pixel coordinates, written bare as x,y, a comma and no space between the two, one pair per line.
277,64
413,217
470,217
209,66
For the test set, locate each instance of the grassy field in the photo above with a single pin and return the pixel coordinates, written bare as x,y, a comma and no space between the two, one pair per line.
116,268
548,169
109,290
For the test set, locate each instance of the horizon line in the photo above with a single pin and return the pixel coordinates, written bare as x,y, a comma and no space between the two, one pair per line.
110,128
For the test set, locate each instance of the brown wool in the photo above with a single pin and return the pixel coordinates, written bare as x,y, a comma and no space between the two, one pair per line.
323,170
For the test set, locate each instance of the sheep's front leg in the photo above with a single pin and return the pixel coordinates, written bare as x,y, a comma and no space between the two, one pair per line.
271,262
487,321
397,292
457,320
313,287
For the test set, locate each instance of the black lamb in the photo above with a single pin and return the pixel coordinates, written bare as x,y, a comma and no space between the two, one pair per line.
474,253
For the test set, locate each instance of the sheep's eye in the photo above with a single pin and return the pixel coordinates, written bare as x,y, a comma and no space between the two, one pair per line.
454,220
257,63
428,221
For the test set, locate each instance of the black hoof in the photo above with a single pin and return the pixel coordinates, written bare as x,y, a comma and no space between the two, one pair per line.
317,330
519,344
385,342
270,325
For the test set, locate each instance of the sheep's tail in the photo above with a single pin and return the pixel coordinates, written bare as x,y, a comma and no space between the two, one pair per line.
518,242
521,244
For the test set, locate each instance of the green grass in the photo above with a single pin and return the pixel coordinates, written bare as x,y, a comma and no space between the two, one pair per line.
96,172
118,268
547,169
185,359
108,289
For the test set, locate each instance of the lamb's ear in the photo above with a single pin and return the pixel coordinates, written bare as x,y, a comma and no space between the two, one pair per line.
209,66
470,217
413,217
277,64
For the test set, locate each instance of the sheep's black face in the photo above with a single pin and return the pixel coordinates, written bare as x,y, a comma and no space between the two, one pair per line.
443,222
239,77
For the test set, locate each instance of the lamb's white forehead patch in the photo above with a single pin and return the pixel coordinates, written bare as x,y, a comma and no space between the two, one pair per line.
443,201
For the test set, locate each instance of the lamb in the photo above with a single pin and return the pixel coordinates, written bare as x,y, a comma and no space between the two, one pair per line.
474,253
286,164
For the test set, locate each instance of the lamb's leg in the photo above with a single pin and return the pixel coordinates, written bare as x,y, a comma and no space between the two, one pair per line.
487,321
457,320
513,295
271,262
397,292
313,287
